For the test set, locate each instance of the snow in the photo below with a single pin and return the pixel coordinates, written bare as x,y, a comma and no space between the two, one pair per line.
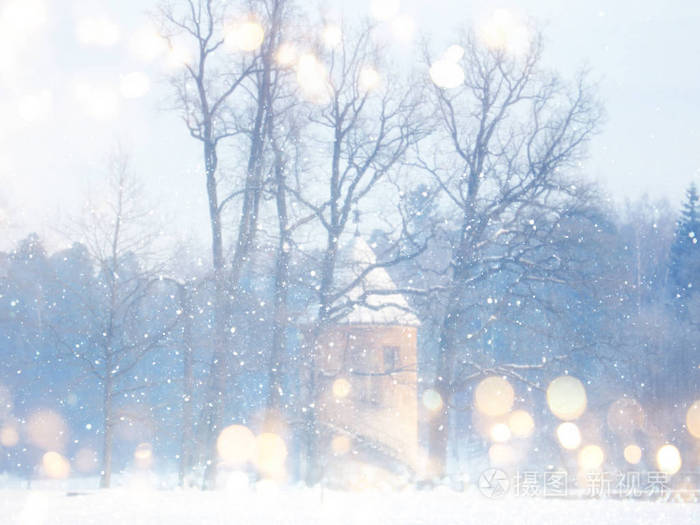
354,258
314,506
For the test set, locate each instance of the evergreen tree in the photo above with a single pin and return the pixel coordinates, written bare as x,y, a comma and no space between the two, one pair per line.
685,252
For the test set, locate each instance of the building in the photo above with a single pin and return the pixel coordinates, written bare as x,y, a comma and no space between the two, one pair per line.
367,369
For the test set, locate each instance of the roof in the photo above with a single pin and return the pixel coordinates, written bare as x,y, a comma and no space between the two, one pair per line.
353,259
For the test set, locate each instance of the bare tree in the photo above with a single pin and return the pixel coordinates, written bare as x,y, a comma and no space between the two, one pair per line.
363,119
507,136
286,152
222,95
123,319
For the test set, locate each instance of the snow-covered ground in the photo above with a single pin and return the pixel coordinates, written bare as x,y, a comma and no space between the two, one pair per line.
310,507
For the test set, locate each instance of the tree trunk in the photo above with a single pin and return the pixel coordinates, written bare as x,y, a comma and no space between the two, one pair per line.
314,469
108,436
314,464
218,374
218,365
187,443
279,329
438,433
253,181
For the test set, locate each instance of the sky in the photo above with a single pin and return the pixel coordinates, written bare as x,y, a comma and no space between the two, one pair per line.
75,80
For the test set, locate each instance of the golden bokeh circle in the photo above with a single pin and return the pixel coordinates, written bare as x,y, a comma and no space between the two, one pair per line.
494,396
566,397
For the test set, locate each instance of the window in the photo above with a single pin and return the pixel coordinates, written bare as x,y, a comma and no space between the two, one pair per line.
391,358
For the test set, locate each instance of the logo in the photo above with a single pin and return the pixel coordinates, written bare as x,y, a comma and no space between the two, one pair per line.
493,483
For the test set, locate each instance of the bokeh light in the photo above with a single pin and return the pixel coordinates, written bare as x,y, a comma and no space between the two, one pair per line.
286,55
446,75
19,17
177,56
494,396
55,466
9,437
500,433
271,454
625,416
47,430
312,77
633,454
236,445
340,445
369,79
135,85
21,21
566,397
446,72
432,400
668,459
332,36
569,435
454,53
235,482
244,36
504,31
692,419
147,44
591,457
97,31
341,387
85,461
143,455
521,423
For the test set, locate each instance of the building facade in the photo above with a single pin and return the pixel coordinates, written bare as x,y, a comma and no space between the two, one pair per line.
367,370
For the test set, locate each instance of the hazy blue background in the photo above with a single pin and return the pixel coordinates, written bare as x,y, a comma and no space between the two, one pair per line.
646,56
